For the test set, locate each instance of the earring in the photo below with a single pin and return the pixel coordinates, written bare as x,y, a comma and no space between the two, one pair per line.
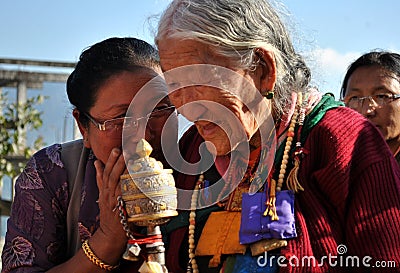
268,94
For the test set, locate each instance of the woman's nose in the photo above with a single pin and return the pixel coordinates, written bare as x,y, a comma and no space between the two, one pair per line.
368,107
193,111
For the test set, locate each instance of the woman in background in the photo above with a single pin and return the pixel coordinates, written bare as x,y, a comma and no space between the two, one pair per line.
371,86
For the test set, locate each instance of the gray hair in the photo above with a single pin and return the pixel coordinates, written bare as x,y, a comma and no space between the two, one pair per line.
236,29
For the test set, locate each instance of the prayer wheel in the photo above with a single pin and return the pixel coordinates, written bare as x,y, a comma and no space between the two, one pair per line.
150,199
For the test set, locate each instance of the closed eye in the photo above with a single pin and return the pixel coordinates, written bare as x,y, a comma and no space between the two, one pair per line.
383,96
173,86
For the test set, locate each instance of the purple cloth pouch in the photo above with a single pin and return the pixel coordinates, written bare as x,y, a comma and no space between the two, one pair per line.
255,226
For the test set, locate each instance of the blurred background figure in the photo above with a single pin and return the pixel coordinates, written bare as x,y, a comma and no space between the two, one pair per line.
371,86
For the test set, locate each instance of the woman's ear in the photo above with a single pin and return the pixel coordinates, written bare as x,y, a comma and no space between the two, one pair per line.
267,65
83,129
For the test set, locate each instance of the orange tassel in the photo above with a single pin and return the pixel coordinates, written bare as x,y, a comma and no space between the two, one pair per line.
215,261
292,182
271,207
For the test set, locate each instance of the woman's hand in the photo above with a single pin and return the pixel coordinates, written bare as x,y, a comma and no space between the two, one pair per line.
108,176
109,241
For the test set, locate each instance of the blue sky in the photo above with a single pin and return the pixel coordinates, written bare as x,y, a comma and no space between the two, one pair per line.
329,33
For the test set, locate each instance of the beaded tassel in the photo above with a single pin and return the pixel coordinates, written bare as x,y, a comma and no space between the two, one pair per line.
271,208
292,181
192,264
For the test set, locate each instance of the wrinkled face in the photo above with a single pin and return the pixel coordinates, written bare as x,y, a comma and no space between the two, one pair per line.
113,101
215,98
373,80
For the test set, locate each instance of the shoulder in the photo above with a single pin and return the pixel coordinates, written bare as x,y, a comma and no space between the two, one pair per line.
348,125
190,139
55,156
346,134
41,165
343,118
72,145
47,155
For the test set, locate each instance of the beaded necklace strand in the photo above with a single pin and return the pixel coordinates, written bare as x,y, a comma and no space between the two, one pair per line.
192,264
291,182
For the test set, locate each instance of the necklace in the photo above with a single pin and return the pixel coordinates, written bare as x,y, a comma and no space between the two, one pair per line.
192,264
292,183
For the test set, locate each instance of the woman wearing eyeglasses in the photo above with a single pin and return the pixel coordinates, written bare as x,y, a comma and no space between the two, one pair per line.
371,86
63,216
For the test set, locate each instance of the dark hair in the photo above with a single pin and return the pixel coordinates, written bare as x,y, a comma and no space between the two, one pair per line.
387,60
101,61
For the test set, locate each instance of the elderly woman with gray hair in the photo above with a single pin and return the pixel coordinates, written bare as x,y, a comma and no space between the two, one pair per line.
295,182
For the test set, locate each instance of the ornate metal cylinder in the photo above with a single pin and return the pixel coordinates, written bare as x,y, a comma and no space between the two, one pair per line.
148,190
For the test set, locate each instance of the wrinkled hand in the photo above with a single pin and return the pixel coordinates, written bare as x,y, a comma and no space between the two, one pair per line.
108,176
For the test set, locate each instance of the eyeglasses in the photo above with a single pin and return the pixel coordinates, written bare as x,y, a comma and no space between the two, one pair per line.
380,100
113,127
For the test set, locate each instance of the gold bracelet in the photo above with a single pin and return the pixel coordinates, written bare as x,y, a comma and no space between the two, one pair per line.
94,259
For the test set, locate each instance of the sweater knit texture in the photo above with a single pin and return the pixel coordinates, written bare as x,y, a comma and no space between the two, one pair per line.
350,202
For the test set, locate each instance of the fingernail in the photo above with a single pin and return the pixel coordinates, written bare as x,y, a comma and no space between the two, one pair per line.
116,151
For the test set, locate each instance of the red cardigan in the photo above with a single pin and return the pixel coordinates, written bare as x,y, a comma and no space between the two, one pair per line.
351,196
